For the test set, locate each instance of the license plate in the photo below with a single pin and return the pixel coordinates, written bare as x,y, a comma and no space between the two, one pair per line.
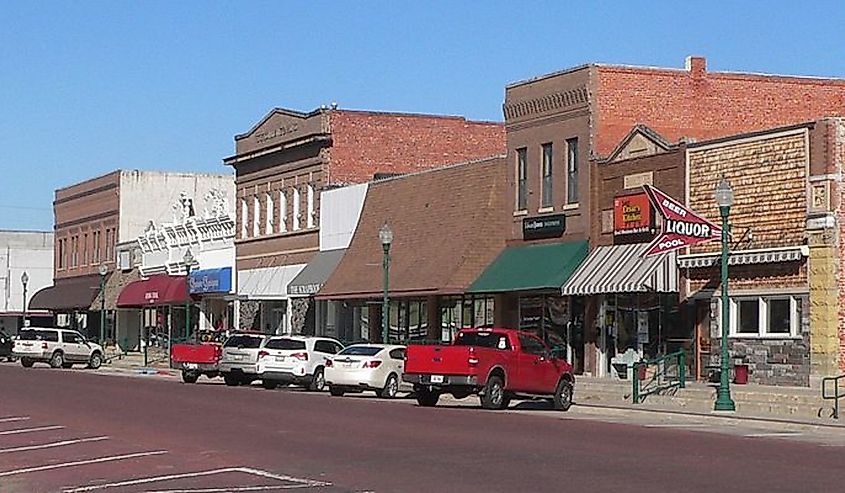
237,357
280,358
191,366
437,379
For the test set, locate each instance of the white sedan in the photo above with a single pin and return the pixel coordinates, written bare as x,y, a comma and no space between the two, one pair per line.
374,367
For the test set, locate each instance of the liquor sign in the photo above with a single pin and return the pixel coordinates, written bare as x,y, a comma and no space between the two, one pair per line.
632,215
551,226
681,226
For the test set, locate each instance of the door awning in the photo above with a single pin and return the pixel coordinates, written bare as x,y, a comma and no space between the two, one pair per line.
531,267
623,269
156,290
316,273
73,293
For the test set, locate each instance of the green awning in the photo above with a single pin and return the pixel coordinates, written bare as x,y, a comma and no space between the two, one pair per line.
531,267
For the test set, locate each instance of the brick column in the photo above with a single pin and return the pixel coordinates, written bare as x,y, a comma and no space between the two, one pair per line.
824,303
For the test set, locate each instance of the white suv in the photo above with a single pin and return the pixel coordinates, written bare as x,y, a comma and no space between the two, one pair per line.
298,360
240,352
60,348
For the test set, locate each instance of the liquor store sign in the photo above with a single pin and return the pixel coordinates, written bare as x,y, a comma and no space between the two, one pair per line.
681,226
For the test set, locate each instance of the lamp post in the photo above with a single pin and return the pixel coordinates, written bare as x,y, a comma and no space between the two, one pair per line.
103,271
724,199
189,260
386,237
24,281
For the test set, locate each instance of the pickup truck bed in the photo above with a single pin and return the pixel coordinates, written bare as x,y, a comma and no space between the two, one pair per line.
196,359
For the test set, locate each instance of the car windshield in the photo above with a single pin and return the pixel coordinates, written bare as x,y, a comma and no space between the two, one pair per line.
361,351
482,339
243,341
285,344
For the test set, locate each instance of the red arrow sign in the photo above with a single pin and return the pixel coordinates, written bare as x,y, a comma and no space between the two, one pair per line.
681,226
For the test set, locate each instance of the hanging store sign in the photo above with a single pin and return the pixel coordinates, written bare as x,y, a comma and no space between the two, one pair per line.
632,215
551,226
681,226
211,281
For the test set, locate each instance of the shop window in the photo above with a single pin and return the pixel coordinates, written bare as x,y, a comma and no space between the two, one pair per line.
464,312
547,176
572,171
521,179
775,316
269,213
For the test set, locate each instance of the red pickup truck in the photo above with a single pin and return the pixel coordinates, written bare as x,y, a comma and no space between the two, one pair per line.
497,364
195,359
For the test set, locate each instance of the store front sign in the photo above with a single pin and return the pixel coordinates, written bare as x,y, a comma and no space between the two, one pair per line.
211,281
681,226
551,226
632,215
151,297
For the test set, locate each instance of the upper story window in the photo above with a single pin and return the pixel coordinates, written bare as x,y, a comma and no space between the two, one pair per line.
547,176
74,251
283,211
256,216
572,171
61,260
269,214
244,210
97,248
521,179
296,214
85,249
309,218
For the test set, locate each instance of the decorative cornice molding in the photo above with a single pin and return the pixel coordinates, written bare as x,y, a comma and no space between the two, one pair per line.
549,102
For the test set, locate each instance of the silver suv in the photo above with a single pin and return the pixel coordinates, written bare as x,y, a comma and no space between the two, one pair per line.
240,355
60,348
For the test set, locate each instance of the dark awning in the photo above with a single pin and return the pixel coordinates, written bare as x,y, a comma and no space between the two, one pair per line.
531,267
73,293
315,274
157,290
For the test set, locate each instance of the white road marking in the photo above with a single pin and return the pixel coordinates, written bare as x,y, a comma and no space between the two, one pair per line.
63,443
677,425
246,470
13,419
773,434
30,430
98,460
277,487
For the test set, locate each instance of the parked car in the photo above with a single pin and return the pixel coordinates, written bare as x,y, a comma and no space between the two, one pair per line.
197,359
373,367
238,361
298,360
496,364
61,348
6,343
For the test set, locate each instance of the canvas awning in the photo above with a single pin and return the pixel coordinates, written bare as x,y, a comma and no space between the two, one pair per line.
157,290
316,273
531,267
73,293
267,283
623,269
745,257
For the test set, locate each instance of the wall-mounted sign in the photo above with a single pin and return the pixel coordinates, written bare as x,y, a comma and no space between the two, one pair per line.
211,281
632,215
637,180
551,226
681,226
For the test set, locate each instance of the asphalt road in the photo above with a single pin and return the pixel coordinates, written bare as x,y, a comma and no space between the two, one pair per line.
76,431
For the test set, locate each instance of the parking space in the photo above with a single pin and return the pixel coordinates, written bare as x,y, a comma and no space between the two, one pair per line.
40,456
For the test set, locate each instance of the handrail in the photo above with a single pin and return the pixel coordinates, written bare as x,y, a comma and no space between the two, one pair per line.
663,378
836,395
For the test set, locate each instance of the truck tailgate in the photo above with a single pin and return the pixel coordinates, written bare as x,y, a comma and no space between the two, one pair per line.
439,360
208,354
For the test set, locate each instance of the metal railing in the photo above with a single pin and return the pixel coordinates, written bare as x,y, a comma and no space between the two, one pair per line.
659,375
837,394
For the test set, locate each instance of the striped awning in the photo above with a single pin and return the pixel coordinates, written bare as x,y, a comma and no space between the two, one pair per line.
623,269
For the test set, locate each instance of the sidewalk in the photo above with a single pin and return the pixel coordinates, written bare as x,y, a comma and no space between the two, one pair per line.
134,363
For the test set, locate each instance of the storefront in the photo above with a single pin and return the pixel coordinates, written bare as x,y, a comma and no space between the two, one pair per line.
212,288
265,304
69,300
319,317
152,311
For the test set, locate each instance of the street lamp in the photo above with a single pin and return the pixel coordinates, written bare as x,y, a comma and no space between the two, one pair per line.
189,260
24,281
386,237
724,199
103,271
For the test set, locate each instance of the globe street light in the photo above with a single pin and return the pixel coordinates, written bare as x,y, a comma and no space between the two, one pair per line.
189,261
103,271
386,237
724,199
24,281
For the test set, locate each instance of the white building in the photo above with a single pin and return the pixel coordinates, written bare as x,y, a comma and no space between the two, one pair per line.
29,252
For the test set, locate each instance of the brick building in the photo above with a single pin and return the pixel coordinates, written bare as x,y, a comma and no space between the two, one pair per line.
287,158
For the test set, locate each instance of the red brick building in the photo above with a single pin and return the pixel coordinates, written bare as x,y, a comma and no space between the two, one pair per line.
287,158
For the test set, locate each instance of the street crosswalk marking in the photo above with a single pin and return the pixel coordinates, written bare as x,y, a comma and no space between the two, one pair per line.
12,419
98,460
63,443
30,430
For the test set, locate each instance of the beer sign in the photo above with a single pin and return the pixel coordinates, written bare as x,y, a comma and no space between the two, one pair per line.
681,226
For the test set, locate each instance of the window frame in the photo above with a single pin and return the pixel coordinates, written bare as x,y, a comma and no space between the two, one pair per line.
547,176
763,324
522,179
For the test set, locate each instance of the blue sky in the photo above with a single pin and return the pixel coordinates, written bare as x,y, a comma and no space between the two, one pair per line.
88,87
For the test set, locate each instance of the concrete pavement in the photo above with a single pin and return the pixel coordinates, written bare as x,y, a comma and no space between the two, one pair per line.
166,436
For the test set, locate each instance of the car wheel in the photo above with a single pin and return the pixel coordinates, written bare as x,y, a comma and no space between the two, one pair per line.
318,383
231,380
269,384
190,376
95,361
391,387
494,394
427,398
57,360
335,391
563,395
26,362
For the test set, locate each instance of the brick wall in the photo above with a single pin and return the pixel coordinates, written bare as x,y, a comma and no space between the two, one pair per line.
365,143
705,105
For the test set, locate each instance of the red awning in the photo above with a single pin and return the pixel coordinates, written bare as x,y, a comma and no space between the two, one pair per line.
157,290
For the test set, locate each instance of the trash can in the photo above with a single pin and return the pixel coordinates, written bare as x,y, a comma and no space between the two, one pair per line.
740,374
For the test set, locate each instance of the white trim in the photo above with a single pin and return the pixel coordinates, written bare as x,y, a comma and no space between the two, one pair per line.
763,317
572,206
543,210
522,212
744,257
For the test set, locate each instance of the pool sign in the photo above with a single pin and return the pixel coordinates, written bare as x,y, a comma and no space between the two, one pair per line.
681,226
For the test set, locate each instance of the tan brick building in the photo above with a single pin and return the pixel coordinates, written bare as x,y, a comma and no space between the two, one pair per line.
287,158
